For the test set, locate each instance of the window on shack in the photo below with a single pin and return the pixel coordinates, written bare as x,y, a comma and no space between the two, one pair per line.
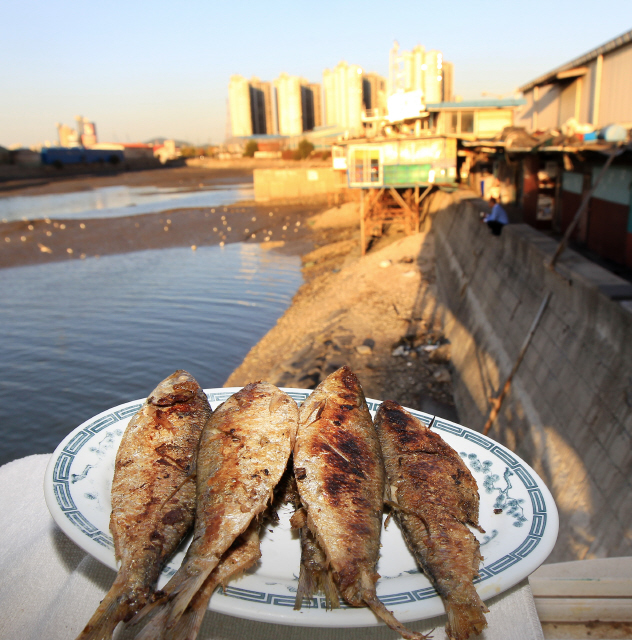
452,119
467,122
366,166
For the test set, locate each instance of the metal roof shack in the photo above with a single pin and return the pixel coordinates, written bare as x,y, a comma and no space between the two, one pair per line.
593,89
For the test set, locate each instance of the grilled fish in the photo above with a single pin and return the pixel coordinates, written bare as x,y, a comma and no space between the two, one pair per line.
243,453
434,497
340,478
153,495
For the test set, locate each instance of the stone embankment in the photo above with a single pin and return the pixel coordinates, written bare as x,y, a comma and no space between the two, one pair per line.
568,412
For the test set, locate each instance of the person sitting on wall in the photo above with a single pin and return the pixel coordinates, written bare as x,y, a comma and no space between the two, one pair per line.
497,219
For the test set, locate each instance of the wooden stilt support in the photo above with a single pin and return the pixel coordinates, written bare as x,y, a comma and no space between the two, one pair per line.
414,221
427,190
497,402
362,225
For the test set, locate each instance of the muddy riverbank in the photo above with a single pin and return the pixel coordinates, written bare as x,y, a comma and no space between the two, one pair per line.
376,313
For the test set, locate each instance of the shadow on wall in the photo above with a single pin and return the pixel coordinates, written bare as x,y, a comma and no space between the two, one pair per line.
567,413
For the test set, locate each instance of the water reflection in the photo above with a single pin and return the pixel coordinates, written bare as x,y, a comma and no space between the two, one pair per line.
108,202
79,337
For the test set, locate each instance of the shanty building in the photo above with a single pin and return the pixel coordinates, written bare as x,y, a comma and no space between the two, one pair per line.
595,89
569,169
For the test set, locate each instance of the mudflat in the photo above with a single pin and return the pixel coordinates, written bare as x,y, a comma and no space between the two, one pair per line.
39,241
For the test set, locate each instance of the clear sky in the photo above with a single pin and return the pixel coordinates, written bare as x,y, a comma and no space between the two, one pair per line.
146,69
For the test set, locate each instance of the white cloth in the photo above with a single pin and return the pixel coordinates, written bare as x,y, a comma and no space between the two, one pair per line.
49,587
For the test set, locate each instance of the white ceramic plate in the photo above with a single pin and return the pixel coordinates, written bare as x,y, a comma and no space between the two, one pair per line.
517,539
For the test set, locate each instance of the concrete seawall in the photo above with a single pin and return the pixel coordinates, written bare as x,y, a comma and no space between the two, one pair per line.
569,410
297,184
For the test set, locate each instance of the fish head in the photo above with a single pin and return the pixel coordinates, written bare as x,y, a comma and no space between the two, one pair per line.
180,386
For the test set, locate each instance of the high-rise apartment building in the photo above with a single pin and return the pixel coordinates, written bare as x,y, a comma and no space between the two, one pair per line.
317,102
290,104
343,96
374,93
420,70
252,107
239,106
448,81
263,107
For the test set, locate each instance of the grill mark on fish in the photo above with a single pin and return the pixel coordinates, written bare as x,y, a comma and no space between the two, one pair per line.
434,497
153,503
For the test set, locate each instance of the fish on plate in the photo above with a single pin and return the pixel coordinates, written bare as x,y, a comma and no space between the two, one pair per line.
153,495
243,453
434,498
340,477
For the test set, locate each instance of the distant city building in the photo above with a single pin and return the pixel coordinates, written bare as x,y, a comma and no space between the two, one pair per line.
317,102
448,82
290,95
239,105
420,70
67,136
311,105
89,135
263,107
343,97
288,106
374,93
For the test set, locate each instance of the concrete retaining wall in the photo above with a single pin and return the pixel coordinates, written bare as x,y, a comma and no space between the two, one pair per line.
569,411
290,184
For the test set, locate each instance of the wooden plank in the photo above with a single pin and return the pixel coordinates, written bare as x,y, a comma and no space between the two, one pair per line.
400,201
496,403
604,587
584,609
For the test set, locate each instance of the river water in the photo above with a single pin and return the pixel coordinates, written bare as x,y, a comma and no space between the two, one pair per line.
81,336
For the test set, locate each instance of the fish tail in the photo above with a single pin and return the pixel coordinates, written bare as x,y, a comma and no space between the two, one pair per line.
167,610
312,581
465,620
189,623
115,607
377,606
241,556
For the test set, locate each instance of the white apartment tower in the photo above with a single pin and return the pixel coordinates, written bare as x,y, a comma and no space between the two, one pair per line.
289,104
343,97
420,70
239,106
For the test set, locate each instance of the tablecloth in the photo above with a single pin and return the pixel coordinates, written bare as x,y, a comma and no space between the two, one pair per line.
49,587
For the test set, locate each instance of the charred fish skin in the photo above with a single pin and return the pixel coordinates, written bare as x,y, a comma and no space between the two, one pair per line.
340,477
435,496
244,450
153,495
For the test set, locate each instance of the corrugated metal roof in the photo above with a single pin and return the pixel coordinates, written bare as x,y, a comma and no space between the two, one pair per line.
477,104
612,45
